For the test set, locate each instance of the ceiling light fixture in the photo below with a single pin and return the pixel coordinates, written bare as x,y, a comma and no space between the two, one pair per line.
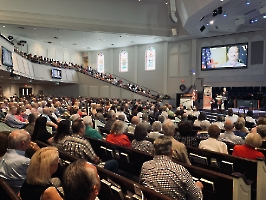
248,2
4,26
211,22
264,16
225,14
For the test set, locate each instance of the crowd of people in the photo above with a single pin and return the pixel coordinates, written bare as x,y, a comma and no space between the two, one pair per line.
107,77
157,129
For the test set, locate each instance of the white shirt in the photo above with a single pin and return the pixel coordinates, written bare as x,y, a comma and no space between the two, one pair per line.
233,118
219,124
250,119
213,145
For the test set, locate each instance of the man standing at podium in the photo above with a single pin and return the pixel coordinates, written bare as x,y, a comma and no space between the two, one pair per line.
225,96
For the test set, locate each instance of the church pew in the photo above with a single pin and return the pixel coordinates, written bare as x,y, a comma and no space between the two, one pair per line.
129,160
6,192
254,170
105,193
220,181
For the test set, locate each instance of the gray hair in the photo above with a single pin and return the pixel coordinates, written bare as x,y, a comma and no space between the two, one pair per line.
168,128
163,146
16,137
204,125
118,127
157,126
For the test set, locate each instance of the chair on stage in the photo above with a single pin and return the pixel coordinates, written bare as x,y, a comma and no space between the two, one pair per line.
245,106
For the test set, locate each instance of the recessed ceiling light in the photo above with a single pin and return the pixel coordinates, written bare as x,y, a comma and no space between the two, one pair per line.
166,3
4,26
49,42
112,44
34,28
60,36
62,42
211,22
34,34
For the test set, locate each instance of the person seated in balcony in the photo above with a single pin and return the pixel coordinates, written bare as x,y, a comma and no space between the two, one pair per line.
248,150
212,143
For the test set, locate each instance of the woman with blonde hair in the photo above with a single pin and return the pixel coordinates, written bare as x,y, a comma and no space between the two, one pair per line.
117,135
37,185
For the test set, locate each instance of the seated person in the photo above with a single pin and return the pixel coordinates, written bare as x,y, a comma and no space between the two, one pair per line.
37,185
231,116
156,128
167,177
202,117
12,120
134,121
247,150
63,130
89,131
262,131
249,117
111,117
3,142
117,135
139,143
204,125
238,127
40,131
219,121
212,143
81,181
228,135
30,127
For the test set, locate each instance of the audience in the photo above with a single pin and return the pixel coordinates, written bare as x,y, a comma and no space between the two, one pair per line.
81,181
179,149
212,143
3,142
30,127
156,129
89,131
42,166
134,121
219,121
63,130
238,129
231,116
12,120
139,143
78,146
167,177
252,141
13,165
262,131
228,135
117,135
40,131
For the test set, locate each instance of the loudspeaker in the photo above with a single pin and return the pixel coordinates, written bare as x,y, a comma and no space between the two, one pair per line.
257,52
202,28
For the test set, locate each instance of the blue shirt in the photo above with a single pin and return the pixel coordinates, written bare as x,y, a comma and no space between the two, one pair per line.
13,168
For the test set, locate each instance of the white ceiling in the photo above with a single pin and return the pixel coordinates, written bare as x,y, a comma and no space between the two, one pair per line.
97,40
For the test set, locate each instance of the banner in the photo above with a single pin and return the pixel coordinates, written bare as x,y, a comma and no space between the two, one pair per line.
207,97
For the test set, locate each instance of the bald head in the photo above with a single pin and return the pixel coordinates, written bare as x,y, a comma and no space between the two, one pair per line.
19,139
228,125
135,120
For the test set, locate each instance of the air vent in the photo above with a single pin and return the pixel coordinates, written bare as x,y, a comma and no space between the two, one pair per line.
88,48
56,38
49,42
216,27
74,44
20,27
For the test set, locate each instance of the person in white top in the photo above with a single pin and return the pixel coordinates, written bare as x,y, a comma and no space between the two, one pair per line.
249,117
212,143
231,116
156,128
219,121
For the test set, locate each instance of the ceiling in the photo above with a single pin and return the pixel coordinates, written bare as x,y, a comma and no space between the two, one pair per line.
236,11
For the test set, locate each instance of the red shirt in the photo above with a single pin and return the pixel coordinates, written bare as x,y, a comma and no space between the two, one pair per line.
119,139
246,151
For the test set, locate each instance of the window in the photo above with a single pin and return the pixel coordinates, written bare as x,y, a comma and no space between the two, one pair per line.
150,59
100,62
123,65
